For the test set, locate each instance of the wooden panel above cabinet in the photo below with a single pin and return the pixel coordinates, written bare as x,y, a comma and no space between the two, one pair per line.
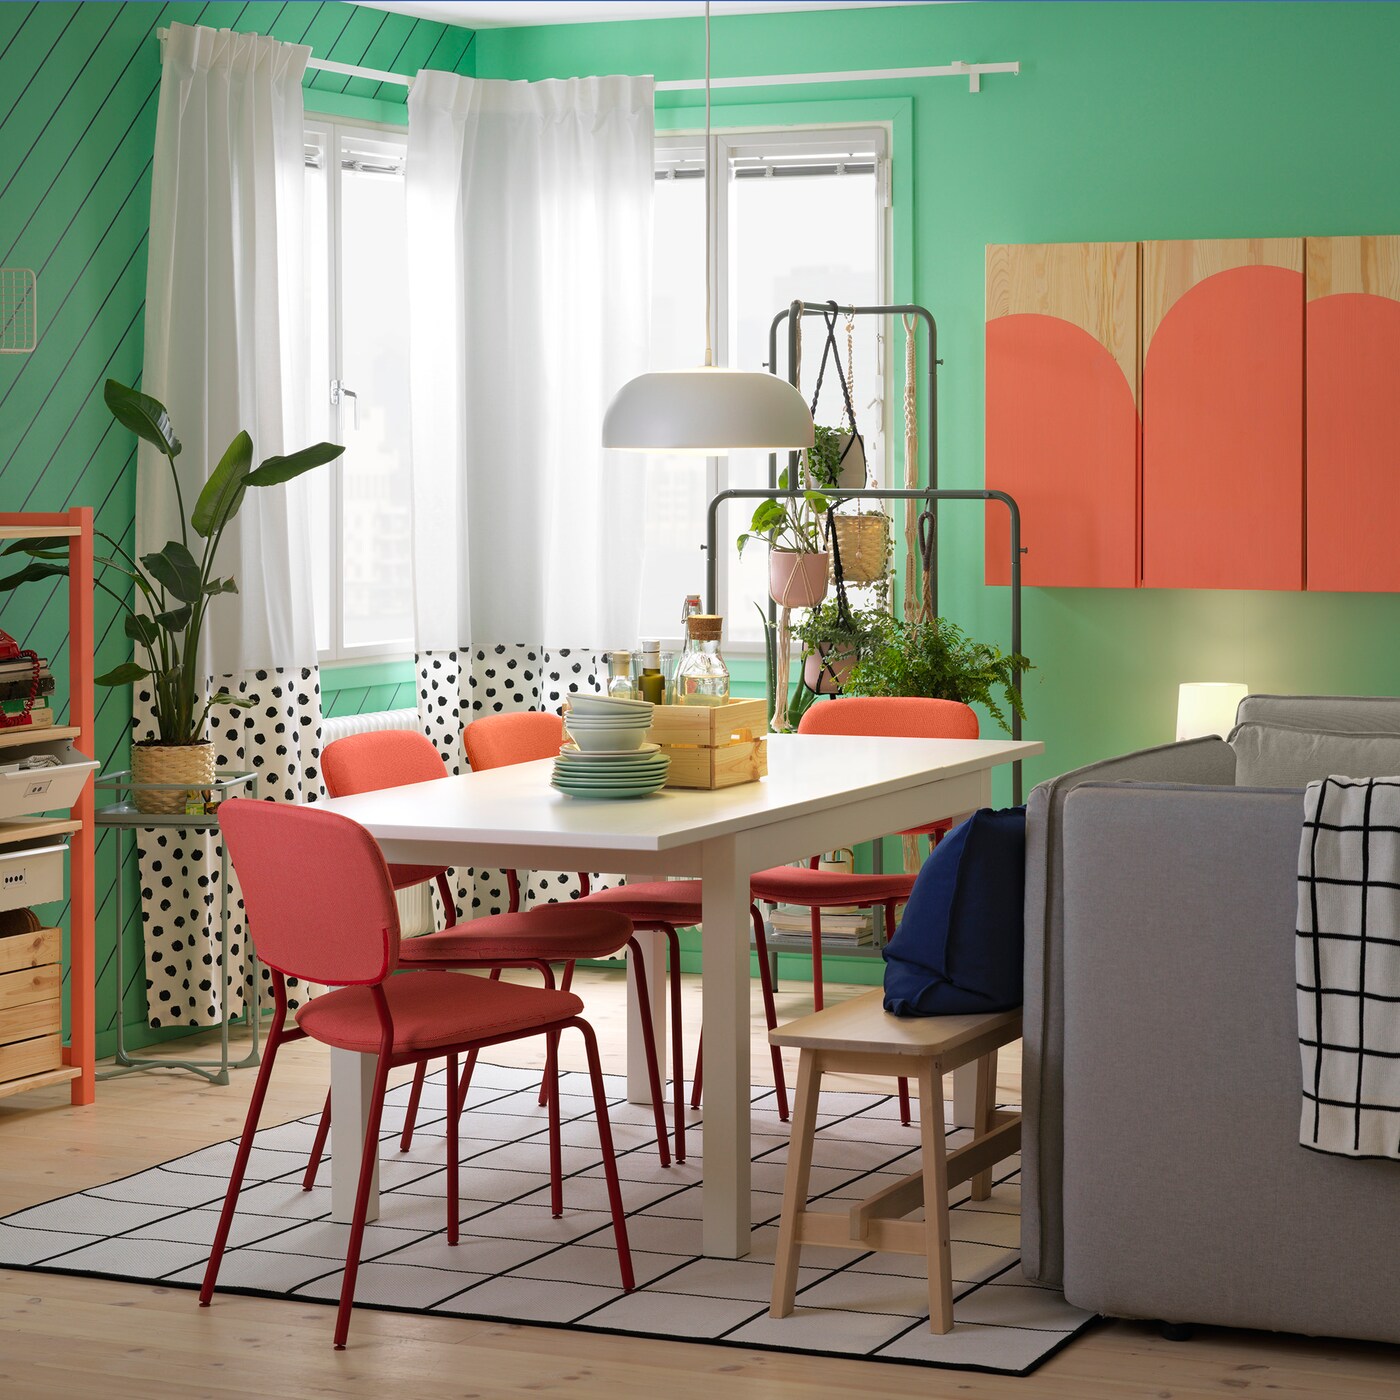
1062,411
1353,421
1222,414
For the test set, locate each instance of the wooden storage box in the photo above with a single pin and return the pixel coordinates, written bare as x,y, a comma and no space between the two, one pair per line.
712,746
24,791
31,1003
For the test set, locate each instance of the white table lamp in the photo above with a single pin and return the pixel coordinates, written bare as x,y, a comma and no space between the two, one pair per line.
1207,707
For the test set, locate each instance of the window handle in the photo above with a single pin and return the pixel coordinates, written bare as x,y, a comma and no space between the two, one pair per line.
340,391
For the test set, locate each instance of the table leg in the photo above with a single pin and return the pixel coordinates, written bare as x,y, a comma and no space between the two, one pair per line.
653,946
352,1084
725,973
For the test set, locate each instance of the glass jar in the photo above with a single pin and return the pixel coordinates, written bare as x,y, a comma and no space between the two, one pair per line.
651,683
702,678
620,685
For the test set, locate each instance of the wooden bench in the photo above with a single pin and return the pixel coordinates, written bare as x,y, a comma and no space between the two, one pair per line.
860,1037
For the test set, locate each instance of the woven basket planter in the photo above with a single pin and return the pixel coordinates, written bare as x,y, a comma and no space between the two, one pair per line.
864,542
171,763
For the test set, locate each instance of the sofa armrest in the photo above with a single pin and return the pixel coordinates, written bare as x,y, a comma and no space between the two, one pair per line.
1187,1196
1208,761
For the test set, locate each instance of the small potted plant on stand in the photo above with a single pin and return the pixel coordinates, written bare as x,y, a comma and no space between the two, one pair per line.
798,561
175,590
833,641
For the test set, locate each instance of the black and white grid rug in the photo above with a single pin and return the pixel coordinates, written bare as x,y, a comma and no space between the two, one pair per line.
516,1263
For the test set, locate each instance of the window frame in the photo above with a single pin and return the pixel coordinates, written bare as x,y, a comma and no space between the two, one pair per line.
749,142
331,131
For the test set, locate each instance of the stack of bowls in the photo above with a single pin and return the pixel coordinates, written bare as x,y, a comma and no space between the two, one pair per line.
607,755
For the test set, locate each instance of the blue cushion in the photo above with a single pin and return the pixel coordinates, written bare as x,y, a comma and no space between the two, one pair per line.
958,948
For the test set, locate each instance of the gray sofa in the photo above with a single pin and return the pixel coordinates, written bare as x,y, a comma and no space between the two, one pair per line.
1162,1175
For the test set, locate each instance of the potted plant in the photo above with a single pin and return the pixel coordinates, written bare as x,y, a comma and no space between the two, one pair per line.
834,639
175,590
937,659
798,561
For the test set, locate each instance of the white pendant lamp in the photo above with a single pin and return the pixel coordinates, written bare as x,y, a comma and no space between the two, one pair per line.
711,409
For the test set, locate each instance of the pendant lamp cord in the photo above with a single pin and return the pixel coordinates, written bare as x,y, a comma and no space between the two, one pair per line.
709,348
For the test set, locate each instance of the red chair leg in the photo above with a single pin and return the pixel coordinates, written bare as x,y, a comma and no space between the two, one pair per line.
673,954
816,957
658,1099
470,1065
698,1081
318,1146
556,1154
453,1184
245,1148
357,1224
415,1095
770,1010
564,983
449,904
600,1109
904,1102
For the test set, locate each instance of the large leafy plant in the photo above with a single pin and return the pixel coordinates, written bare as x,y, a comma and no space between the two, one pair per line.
176,588
937,659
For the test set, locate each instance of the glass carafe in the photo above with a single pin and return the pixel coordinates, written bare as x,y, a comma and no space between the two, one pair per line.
620,686
702,678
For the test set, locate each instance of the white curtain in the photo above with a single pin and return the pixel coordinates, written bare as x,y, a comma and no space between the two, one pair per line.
224,336
529,213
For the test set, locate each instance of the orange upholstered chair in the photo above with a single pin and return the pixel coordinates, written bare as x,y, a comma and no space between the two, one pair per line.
320,906
388,758
659,906
552,933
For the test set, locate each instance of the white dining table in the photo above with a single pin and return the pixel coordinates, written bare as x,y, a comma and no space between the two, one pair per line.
822,791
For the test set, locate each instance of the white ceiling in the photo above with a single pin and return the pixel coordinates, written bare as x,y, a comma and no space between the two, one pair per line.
506,14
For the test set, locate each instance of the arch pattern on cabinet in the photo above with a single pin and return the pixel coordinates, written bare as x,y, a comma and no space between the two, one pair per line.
1353,420
1222,414
1062,411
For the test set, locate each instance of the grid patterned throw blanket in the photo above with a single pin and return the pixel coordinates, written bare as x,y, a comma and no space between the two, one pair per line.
1348,961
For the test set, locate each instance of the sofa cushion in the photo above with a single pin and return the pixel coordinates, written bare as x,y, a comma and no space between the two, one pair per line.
1337,714
959,947
1280,756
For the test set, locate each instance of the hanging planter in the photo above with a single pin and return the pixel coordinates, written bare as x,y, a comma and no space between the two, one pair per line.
851,453
798,580
827,669
864,545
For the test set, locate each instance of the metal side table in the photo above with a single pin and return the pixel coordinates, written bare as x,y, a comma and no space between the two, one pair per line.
122,816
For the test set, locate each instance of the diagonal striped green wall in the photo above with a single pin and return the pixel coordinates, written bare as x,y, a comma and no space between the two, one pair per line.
78,90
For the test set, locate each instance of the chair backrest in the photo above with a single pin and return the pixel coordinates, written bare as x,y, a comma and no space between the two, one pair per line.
316,891
383,758
891,717
495,741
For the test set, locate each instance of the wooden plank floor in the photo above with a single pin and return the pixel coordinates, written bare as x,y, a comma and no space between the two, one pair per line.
80,1338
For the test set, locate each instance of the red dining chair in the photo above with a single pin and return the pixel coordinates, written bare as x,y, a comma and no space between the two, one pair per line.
552,933
320,906
388,758
655,906
902,717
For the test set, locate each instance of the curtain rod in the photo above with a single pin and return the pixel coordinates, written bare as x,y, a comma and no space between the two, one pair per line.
971,71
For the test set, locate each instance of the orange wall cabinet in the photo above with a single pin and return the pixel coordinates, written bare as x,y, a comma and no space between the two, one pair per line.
1353,425
1062,411
1222,414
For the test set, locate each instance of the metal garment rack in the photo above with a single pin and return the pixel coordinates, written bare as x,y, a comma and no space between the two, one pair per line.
930,494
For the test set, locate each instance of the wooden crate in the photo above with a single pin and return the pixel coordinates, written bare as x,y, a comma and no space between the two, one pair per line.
31,1003
712,746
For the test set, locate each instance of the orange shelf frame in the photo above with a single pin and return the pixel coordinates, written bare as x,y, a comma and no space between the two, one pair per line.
80,1054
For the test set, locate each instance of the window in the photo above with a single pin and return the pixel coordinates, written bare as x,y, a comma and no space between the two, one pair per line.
799,214
357,390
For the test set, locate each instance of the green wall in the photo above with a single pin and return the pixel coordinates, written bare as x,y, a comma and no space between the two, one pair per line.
1127,121
78,89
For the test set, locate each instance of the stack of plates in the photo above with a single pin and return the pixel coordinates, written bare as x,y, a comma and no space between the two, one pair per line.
611,776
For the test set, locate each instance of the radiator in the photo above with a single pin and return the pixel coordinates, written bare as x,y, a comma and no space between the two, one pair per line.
415,905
